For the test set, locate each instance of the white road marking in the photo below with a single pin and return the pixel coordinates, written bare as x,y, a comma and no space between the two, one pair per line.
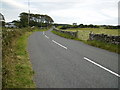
46,36
43,32
102,67
59,44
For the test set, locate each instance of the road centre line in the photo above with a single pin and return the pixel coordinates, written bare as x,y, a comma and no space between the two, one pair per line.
46,36
59,44
108,70
102,67
43,32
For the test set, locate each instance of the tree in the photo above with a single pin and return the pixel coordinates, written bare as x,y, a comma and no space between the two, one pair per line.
17,23
81,26
91,26
35,20
24,19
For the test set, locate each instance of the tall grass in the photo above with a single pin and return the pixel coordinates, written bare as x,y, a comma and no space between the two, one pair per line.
16,67
103,45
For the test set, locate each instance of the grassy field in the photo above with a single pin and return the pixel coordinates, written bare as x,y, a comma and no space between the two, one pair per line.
17,70
83,33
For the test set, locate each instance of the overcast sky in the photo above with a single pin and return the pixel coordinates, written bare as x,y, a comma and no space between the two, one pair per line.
97,12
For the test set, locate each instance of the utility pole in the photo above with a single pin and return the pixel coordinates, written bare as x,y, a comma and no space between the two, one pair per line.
28,13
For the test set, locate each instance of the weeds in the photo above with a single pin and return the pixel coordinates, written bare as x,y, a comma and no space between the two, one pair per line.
16,67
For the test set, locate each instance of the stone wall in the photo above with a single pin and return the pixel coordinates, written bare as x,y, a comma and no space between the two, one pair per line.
74,34
97,37
105,38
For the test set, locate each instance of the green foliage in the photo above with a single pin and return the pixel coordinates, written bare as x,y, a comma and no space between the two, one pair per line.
23,19
66,26
23,68
35,20
17,23
16,66
89,26
59,27
103,45
63,35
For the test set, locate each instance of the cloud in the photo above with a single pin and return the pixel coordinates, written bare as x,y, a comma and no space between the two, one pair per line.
67,11
14,3
56,0
111,12
92,12
80,16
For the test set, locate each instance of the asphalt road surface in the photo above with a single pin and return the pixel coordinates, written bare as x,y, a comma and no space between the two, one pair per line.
64,63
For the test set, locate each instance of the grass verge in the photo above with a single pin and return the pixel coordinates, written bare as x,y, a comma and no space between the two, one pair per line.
17,69
103,45
16,66
23,68
64,35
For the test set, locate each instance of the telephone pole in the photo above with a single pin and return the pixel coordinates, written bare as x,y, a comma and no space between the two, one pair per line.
28,13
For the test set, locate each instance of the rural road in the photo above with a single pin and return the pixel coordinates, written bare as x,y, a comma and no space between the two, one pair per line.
64,63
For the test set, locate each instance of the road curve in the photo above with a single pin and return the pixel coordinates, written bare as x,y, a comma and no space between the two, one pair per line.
64,63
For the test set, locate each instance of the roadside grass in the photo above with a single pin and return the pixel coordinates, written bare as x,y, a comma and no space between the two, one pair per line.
64,35
23,68
17,69
103,45
59,27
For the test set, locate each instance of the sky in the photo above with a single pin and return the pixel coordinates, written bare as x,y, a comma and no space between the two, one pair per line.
98,12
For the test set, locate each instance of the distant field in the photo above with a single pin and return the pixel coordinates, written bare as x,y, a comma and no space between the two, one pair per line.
83,33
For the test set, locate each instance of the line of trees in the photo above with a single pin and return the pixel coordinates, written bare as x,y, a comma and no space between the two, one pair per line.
79,26
88,26
39,20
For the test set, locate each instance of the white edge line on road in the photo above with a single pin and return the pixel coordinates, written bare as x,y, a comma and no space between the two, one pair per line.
46,36
59,44
102,67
